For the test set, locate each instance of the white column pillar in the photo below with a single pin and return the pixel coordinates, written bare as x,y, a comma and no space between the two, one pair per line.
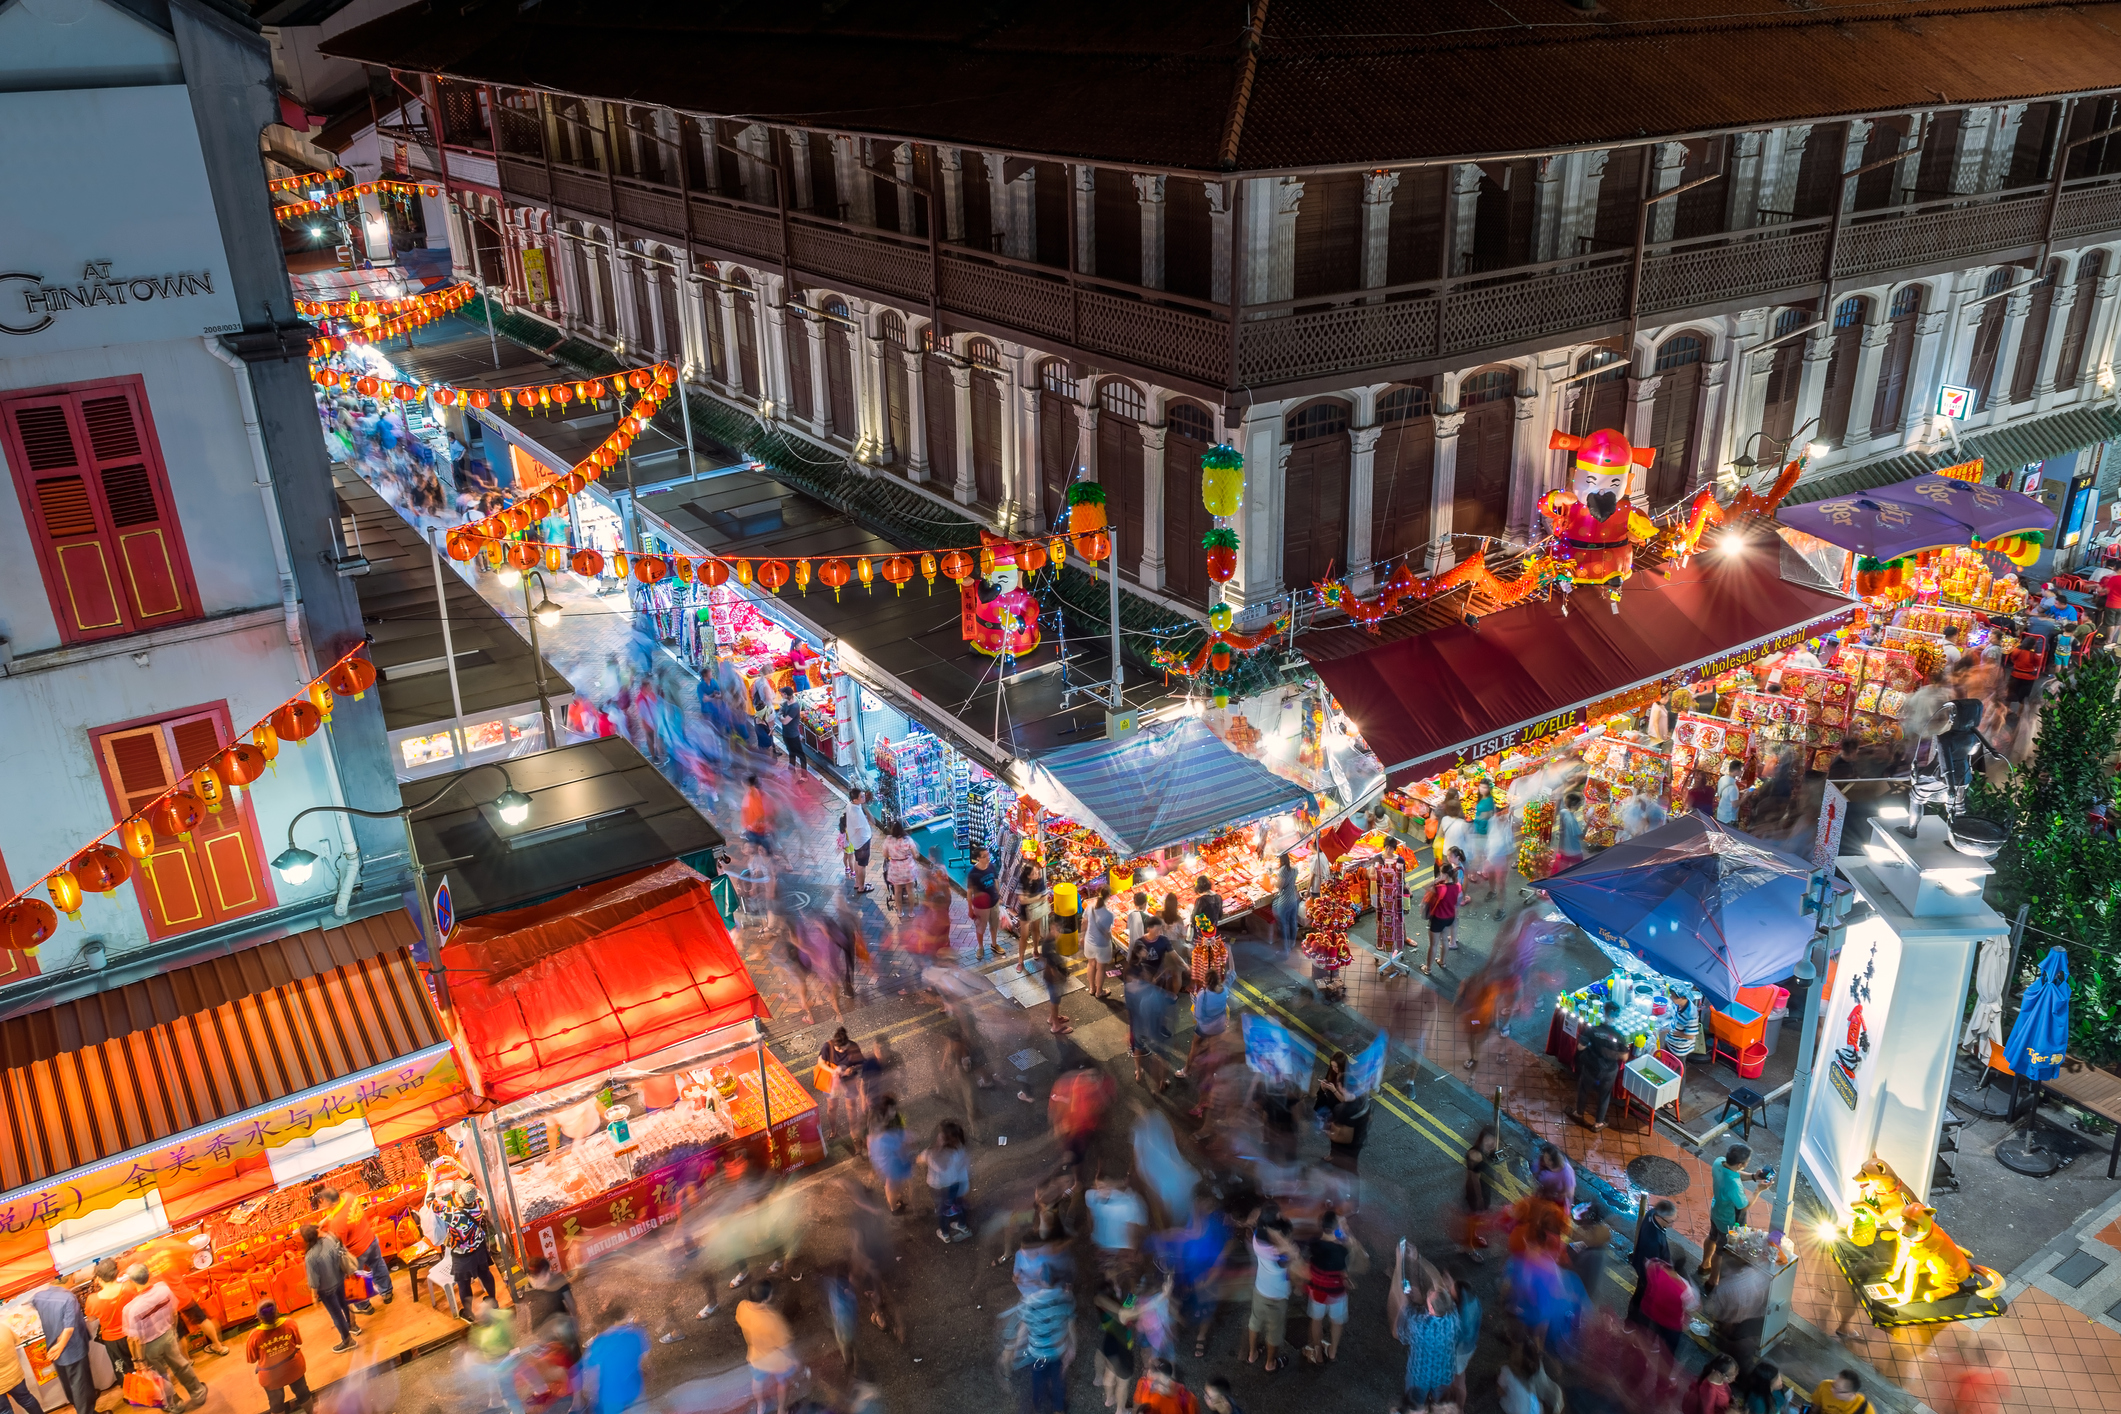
1783,197
596,260
916,414
907,202
625,274
2099,353
663,340
802,186
2015,310
2044,389
1020,467
1218,241
1642,404
733,371
874,353
856,188
950,164
1870,365
1086,415
1528,451
1152,546
820,385
2002,146
1549,196
1362,501
692,335
1751,392
1588,178
1931,327
1258,437
1082,179
1377,188
1149,194
1710,430
1907,175
965,488
1462,208
1970,150
774,363
572,302
1742,203
1271,205
1021,202
1443,490
755,165
1811,387
1670,166
1859,133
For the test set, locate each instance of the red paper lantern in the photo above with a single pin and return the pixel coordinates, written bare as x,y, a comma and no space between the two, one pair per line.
525,554
100,869
175,814
516,518
137,836
649,568
351,678
1032,557
460,544
369,385
898,570
715,572
26,923
562,394
296,720
639,379
243,763
447,397
957,565
771,573
1219,657
479,398
588,563
834,575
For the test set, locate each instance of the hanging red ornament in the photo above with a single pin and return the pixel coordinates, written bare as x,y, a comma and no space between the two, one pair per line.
100,869
897,571
1031,555
137,836
65,891
620,565
928,568
773,574
714,572
956,565
296,720
352,678
648,569
26,923
266,740
175,814
1219,657
243,763
460,544
587,563
1221,545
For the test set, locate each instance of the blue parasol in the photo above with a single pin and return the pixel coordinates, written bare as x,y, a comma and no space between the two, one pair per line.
2041,1033
1695,899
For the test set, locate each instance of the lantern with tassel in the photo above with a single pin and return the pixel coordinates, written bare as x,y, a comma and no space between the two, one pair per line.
266,740
208,787
26,924
176,813
1057,551
957,565
802,576
1031,555
866,573
137,836
460,544
773,574
714,572
352,678
621,565
99,869
587,563
928,567
649,569
1086,515
744,576
834,575
897,571
242,763
320,697
296,720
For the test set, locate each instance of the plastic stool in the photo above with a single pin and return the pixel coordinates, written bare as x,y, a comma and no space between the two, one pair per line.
1747,1103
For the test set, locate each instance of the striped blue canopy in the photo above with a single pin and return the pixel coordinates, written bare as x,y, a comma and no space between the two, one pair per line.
1165,784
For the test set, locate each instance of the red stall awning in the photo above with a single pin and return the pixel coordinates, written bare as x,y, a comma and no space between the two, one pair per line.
1456,694
604,974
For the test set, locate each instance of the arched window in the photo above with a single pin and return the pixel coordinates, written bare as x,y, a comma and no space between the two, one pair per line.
2025,378
2069,363
891,328
1677,352
1891,405
1056,378
1186,420
1490,385
1778,413
1601,401
1404,405
1840,394
836,307
1677,366
1325,418
1314,528
1122,399
982,354
1988,338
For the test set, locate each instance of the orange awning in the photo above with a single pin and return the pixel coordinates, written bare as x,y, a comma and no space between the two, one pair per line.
608,973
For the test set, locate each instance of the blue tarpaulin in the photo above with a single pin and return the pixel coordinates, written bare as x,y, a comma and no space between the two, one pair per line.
1163,785
2041,1033
1694,899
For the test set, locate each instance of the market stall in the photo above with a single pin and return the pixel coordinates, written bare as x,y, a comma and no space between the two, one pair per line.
615,1029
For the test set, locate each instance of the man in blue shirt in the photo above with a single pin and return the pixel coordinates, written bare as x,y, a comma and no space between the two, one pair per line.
1041,1349
66,1341
1729,1197
612,1378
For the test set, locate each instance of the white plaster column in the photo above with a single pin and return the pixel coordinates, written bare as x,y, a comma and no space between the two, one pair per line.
1587,176
1669,166
1931,326
1750,394
1152,546
573,299
950,170
802,193
2002,146
733,372
1527,452
1908,174
1149,194
1011,208
1462,210
1870,366
1549,196
1970,149
1377,189
1271,206
820,386
1443,490
904,195
1642,405
1082,180
1086,415
1218,241
462,261
965,487
1710,429
1258,574
1859,133
1020,465
1962,328
2016,308
755,163
2099,353
1362,501
874,353
692,334
624,271
857,191
1742,202
1787,145
916,414
1557,400
774,363
664,340
2058,313
1811,386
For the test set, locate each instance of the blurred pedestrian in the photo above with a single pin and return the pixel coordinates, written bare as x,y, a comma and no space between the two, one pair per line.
1481,1165
1099,944
899,856
1327,1286
1599,1055
856,837
1652,1244
1161,1392
769,1348
1587,1253
888,1154
1288,906
1524,1386
1426,1322
1118,1220
1274,1257
1554,1177
1039,1348
982,898
840,1064
1711,1393
950,1177
325,1265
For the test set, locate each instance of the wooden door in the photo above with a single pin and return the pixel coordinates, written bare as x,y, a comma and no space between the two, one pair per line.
1186,517
1119,470
799,367
747,344
895,409
839,379
1671,433
939,403
987,437
1059,451
219,873
1481,484
1315,495
1401,478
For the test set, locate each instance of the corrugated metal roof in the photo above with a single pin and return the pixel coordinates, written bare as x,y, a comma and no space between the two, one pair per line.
1334,83
2006,448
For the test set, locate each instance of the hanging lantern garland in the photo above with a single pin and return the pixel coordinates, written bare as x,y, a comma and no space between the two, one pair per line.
303,181
28,922
294,210
369,321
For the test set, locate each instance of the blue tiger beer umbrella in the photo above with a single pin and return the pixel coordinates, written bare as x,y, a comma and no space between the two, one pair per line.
2041,1033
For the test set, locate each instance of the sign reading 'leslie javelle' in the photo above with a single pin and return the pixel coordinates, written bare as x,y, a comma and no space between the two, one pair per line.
122,243
41,303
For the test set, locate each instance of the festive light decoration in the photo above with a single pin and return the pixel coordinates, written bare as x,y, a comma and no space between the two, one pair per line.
1217,652
1596,525
834,575
27,922
345,196
897,570
997,615
302,181
1221,545
773,574
1222,481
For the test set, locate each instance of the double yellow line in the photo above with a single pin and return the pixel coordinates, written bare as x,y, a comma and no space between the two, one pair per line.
1404,1108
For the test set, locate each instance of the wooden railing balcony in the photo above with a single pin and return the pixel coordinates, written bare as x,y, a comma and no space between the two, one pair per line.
1290,342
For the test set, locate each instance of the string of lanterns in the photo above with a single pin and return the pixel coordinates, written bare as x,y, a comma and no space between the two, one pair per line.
302,181
527,397
381,319
98,867
288,211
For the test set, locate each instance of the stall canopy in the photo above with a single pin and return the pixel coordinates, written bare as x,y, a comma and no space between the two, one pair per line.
1459,693
1694,899
1989,511
605,974
1170,782
1881,529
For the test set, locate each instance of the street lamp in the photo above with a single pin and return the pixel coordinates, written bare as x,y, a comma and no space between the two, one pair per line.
547,613
295,864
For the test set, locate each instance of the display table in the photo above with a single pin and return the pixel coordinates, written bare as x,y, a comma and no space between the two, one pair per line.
2089,1088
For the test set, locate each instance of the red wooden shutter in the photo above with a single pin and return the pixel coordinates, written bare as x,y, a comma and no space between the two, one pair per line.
97,501
219,873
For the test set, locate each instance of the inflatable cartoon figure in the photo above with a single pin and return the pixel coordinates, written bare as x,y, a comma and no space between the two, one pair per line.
1597,524
998,615
1932,1266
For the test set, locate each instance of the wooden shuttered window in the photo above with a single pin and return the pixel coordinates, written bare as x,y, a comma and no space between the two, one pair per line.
219,873
96,500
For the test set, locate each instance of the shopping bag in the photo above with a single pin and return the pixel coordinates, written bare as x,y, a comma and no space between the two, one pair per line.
822,1077
146,1389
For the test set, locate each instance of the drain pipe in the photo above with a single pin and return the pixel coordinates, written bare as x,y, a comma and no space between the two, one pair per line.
290,599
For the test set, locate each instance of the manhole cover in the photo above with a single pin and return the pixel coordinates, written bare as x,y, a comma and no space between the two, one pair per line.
1660,1176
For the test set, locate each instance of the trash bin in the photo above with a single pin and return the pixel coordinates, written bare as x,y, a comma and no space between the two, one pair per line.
1780,1008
